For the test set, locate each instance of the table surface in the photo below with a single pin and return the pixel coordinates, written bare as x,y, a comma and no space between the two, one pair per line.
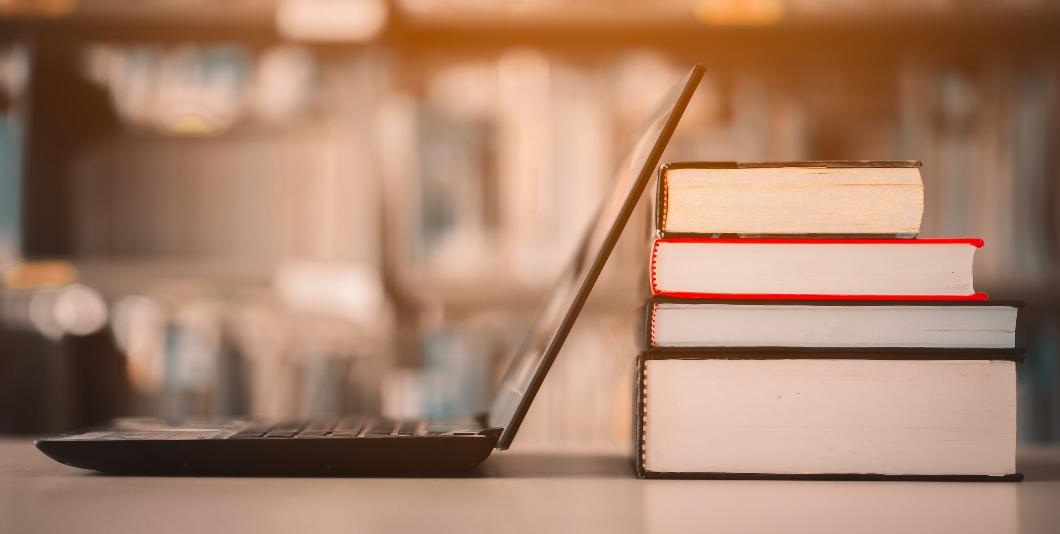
514,492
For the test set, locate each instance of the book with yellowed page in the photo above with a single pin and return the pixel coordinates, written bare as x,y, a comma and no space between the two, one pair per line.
827,413
801,198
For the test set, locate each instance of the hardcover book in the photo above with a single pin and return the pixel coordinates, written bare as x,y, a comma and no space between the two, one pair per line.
831,414
824,198
693,323
810,269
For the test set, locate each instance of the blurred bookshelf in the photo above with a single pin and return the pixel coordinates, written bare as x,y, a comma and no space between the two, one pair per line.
311,223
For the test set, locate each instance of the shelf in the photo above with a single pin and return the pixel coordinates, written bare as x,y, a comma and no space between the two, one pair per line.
795,42
585,29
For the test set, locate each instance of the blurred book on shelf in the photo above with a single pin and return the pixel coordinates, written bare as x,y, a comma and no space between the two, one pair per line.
508,161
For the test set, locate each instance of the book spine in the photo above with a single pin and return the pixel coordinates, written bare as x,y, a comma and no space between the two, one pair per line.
647,337
653,259
662,200
639,399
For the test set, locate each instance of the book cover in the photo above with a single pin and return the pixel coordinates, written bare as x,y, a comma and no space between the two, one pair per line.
818,460
805,198
814,269
843,324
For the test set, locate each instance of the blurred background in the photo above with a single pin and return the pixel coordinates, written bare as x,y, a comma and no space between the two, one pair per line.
290,208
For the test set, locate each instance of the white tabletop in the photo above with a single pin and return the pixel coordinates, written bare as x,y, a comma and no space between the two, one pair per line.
516,492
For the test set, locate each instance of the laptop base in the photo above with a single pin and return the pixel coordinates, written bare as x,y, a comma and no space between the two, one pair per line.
212,452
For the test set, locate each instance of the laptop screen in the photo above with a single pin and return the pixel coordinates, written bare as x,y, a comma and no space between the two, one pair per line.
564,301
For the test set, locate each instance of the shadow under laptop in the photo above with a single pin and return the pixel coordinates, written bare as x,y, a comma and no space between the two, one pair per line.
499,465
552,465
1035,467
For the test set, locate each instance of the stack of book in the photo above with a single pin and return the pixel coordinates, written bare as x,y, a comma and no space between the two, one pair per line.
799,328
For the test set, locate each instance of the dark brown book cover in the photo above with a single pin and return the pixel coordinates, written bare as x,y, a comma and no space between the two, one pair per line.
889,354
661,199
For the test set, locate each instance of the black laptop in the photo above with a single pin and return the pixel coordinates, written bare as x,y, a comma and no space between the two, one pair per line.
366,445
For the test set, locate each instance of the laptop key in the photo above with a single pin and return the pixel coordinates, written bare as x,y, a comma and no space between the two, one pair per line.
350,427
451,429
318,428
381,428
252,430
406,428
286,429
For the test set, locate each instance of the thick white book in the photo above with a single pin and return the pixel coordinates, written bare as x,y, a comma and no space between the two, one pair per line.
791,198
690,323
861,414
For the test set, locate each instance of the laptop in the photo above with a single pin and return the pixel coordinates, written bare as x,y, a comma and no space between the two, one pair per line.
376,446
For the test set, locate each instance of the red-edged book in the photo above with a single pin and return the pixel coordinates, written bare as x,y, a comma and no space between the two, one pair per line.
814,269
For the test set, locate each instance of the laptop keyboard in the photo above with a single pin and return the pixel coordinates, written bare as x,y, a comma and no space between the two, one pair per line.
348,427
